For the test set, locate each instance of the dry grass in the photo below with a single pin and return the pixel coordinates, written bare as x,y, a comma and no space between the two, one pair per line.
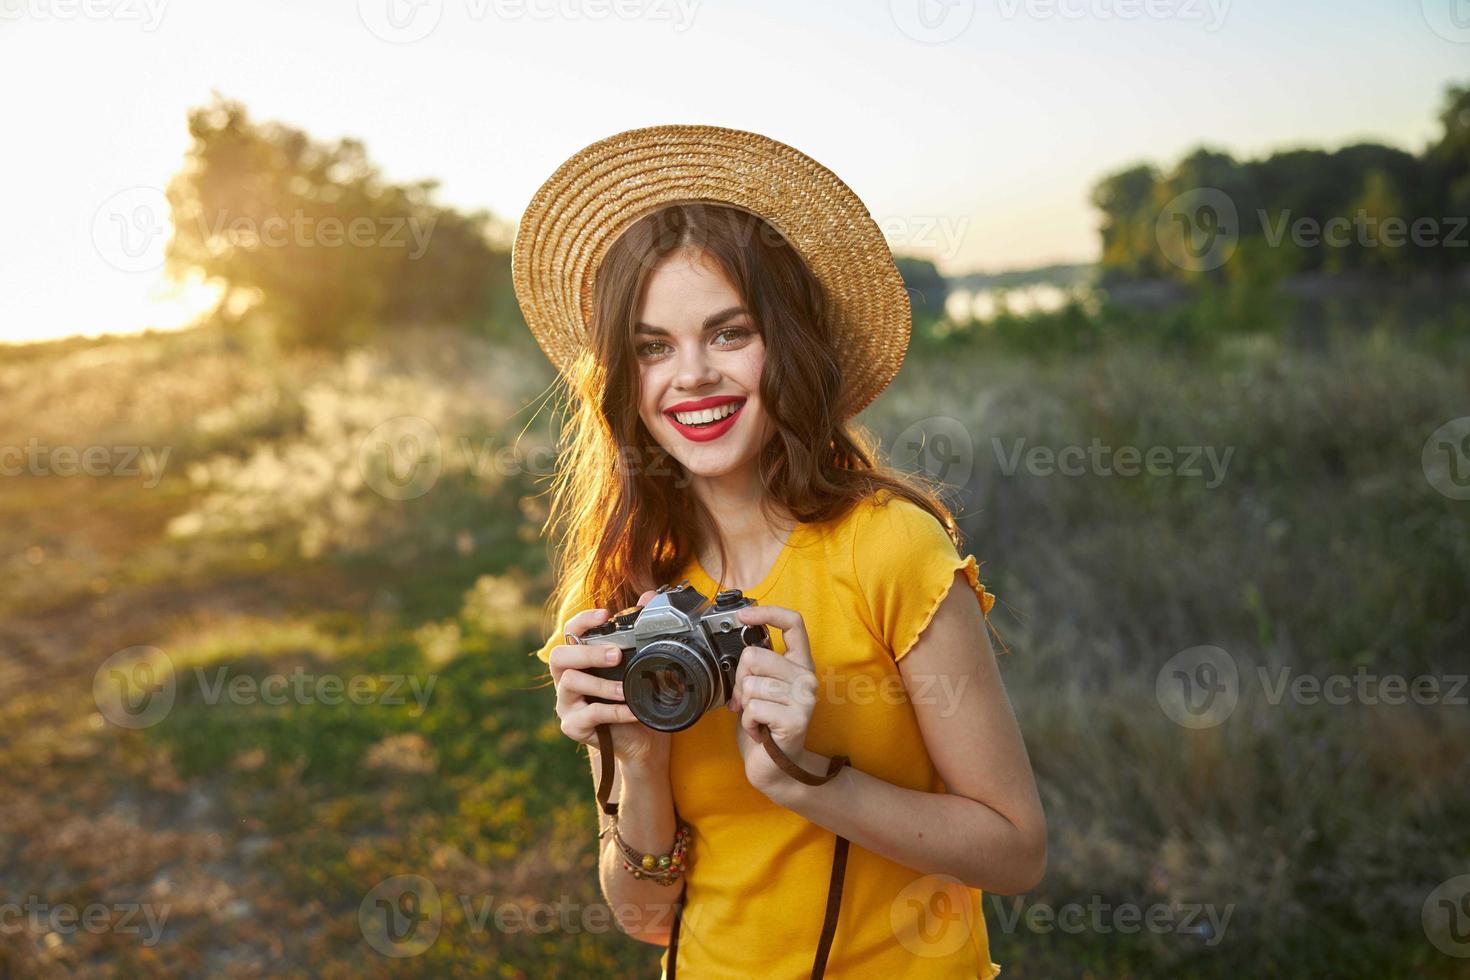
264,550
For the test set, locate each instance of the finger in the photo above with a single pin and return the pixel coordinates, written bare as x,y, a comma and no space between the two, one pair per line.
580,723
581,656
801,683
585,620
607,713
646,597
760,662
760,712
572,631
575,684
765,689
789,622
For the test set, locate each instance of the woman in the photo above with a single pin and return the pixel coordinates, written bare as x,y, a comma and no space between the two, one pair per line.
721,306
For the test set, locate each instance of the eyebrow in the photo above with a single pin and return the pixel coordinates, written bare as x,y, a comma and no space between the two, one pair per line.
711,321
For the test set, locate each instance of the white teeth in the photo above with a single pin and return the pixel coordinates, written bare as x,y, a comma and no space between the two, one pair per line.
707,415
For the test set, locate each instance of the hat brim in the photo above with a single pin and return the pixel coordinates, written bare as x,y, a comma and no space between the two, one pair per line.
595,196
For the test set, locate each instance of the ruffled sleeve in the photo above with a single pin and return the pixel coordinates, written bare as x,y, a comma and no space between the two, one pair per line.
571,604
904,563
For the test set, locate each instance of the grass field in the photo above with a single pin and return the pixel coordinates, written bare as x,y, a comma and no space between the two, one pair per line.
267,551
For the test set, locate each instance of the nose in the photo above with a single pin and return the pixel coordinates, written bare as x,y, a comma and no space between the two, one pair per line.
693,369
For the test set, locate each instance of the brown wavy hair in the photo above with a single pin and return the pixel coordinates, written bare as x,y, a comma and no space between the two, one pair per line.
620,521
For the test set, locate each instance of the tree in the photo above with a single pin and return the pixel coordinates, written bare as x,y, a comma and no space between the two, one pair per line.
1365,184
1377,203
1125,200
319,244
928,291
1448,164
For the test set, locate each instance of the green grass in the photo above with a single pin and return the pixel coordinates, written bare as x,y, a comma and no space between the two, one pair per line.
1324,548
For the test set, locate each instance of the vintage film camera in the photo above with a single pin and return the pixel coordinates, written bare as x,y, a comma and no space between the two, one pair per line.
680,653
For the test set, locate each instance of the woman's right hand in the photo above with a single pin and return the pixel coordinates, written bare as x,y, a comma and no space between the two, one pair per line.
633,742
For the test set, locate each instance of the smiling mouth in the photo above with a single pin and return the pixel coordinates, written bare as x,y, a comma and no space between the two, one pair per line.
720,413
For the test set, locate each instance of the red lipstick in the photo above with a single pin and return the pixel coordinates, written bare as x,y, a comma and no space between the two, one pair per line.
709,431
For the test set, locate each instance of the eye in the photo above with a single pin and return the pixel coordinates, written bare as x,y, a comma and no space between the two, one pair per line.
643,350
738,333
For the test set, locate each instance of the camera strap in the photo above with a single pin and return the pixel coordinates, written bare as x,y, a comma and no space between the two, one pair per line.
784,763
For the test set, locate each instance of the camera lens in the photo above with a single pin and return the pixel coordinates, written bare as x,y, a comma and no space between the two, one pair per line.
669,685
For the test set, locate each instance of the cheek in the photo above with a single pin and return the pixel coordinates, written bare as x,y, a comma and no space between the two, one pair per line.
752,365
650,389
750,379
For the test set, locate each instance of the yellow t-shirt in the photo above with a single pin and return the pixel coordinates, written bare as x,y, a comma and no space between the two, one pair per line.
867,584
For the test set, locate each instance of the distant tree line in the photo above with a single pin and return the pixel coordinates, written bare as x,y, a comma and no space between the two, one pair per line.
1362,208
311,239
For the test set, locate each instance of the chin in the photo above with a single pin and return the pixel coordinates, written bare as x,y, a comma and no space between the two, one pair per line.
710,461
714,465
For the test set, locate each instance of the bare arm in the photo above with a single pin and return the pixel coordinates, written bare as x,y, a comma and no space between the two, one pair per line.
644,909
988,830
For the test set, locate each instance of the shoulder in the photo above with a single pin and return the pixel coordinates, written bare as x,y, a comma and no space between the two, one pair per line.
883,537
886,523
905,561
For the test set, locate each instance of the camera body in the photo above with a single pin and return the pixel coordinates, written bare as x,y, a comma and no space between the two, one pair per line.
680,653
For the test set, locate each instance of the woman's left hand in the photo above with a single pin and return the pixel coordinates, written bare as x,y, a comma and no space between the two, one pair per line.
777,691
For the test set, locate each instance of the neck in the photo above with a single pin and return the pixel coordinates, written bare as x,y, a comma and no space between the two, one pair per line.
734,503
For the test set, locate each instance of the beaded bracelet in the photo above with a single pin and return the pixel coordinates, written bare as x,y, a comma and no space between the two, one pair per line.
664,869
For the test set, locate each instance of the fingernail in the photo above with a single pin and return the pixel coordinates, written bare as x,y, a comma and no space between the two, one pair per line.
612,656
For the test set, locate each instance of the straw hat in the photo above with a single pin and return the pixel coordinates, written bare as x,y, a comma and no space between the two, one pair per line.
596,195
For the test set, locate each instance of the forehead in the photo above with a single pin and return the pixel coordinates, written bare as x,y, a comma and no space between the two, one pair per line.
683,290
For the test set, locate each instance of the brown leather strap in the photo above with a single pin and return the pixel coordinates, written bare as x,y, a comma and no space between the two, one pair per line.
605,750
673,968
780,758
784,763
829,918
605,776
834,907
834,885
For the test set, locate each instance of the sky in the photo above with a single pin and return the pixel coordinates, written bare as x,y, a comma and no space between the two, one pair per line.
972,129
